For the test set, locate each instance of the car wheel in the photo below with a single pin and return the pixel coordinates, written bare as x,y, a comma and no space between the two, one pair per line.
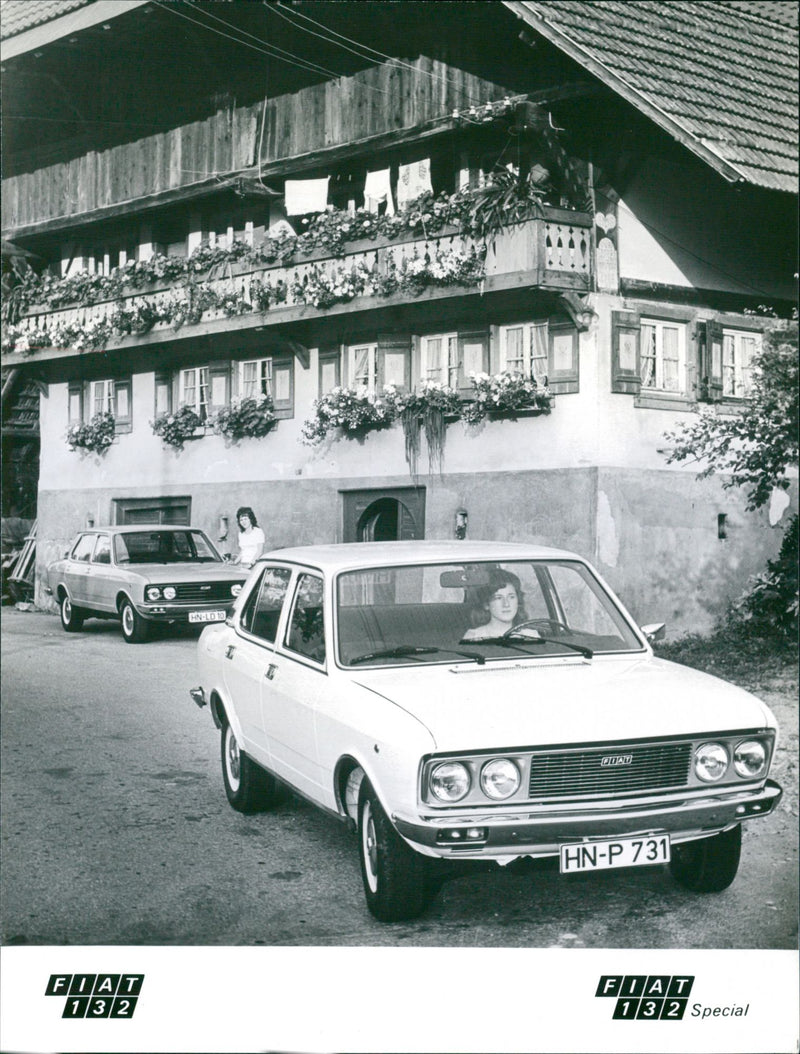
708,865
134,627
71,617
397,880
247,786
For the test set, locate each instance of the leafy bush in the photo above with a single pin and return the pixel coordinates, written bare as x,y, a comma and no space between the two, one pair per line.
772,600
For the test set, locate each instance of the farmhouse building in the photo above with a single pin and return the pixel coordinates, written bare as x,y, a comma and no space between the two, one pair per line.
397,270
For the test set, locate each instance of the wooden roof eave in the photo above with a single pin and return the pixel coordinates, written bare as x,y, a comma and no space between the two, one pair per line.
632,95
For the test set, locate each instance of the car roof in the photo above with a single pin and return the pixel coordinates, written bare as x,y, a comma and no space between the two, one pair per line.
136,527
351,555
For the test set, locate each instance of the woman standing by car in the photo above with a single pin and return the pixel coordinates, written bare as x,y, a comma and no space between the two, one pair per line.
251,537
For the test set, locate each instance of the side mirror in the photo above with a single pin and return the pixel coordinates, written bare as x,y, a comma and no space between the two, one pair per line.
655,631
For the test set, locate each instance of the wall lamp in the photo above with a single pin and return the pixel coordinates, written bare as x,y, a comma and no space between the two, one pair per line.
462,519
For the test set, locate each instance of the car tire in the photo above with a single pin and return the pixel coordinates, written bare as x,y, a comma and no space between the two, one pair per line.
247,786
71,617
708,865
398,883
134,627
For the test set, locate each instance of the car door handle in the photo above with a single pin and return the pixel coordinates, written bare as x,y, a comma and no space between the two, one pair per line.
272,669
229,651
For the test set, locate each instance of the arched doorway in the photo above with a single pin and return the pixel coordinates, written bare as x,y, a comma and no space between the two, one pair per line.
379,521
384,515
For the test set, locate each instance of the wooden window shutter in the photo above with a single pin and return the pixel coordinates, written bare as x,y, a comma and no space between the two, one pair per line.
75,400
394,360
711,363
330,367
123,411
283,387
163,396
219,385
625,352
562,363
473,356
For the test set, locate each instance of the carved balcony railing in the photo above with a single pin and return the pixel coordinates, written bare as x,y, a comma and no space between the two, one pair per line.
552,252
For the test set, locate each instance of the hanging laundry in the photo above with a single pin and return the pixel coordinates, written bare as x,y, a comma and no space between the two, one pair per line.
377,189
413,180
306,195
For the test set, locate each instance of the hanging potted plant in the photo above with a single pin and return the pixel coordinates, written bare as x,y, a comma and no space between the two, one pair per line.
352,412
95,436
176,428
426,410
246,418
505,394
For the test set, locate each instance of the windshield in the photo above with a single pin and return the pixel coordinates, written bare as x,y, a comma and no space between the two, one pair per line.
477,611
164,547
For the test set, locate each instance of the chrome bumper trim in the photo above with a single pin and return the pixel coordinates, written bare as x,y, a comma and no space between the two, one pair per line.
526,834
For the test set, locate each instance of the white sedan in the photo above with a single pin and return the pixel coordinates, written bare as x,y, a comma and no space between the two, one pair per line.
479,701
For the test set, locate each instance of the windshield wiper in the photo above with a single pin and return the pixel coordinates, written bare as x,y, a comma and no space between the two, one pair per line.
513,641
409,650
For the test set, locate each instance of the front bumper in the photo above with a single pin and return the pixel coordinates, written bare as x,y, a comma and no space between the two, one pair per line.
180,612
521,832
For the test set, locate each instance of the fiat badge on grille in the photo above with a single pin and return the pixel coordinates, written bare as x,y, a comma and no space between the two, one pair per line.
616,759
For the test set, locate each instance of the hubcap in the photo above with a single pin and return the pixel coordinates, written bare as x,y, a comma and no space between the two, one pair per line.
370,849
67,609
234,763
127,620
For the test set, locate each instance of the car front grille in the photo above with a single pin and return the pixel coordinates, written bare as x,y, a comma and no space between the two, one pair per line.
203,592
610,770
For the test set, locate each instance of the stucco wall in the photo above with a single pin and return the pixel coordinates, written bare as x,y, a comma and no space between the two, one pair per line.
652,534
683,225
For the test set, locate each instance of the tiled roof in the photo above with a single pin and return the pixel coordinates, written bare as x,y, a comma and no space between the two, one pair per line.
784,11
720,80
18,15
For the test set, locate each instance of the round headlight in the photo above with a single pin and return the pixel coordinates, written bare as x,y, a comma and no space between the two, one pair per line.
152,593
170,593
449,781
236,589
499,779
750,759
711,762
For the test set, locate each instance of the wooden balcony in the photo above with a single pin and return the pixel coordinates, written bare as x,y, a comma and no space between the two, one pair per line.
551,253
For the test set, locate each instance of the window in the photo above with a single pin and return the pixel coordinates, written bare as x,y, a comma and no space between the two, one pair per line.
87,399
193,390
440,358
524,349
662,365
306,632
102,397
102,552
262,611
387,361
738,352
362,365
83,548
255,378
